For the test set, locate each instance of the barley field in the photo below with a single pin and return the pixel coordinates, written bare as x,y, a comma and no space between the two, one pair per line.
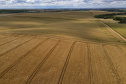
60,48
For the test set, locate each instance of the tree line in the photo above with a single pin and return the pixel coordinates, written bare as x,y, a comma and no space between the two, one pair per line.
8,11
112,16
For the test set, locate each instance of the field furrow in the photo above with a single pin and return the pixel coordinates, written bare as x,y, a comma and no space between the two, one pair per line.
51,69
78,68
10,46
12,58
20,73
102,72
118,57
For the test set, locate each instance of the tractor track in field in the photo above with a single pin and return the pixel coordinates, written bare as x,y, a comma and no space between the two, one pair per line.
8,36
11,41
119,48
90,65
16,62
42,62
112,66
66,63
16,47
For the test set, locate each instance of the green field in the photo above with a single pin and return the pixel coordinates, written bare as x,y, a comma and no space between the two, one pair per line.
118,27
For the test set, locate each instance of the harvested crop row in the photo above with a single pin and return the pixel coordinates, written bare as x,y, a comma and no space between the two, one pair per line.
101,69
78,68
118,57
10,59
14,44
51,69
20,73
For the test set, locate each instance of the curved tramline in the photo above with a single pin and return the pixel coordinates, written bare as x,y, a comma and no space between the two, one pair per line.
16,47
51,69
7,47
77,49
66,64
90,65
37,59
42,62
29,63
117,56
78,67
112,66
25,53
8,40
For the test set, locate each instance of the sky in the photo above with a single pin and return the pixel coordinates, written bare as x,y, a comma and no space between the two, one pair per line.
50,4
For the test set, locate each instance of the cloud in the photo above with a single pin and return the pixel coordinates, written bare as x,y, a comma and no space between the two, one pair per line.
62,3
113,0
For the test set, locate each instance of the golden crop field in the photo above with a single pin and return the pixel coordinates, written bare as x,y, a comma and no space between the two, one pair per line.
118,27
60,48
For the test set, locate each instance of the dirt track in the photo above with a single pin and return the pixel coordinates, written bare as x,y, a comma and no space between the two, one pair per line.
117,34
51,60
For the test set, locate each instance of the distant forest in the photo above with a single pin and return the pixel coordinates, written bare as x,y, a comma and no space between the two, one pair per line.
114,10
3,11
8,11
112,16
105,16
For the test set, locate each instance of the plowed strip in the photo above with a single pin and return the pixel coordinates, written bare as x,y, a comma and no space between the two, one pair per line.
78,68
10,59
119,60
102,72
20,73
9,46
51,69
